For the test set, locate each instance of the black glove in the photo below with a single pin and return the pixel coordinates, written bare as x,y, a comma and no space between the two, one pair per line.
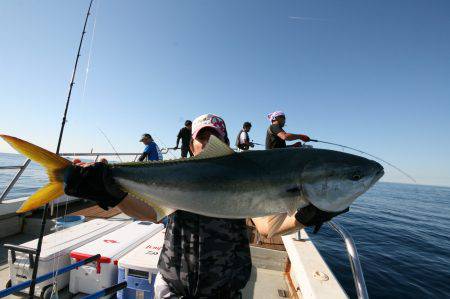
93,182
312,216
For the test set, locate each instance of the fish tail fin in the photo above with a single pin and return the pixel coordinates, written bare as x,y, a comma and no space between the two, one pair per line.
54,165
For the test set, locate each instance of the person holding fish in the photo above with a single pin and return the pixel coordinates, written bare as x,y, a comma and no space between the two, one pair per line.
202,256
207,197
276,137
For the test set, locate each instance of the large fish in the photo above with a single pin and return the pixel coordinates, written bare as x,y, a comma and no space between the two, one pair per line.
222,183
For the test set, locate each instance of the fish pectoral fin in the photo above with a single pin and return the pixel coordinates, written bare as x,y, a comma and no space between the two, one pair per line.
215,148
162,212
275,222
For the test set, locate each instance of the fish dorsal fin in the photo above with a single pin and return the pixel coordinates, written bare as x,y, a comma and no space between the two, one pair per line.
215,148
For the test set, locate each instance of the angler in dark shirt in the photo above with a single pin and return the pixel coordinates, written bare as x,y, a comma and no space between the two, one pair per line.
276,137
185,136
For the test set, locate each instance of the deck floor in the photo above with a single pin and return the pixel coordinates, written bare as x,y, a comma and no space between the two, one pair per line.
31,231
267,279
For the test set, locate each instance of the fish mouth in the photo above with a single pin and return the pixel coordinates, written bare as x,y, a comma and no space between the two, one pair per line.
377,175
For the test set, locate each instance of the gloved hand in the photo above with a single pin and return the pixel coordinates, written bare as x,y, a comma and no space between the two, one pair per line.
93,182
297,144
312,216
251,144
304,138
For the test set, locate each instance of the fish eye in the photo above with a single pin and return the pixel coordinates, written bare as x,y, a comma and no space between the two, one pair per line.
356,177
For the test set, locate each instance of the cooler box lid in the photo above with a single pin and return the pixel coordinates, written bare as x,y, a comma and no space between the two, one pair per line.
145,257
64,241
117,243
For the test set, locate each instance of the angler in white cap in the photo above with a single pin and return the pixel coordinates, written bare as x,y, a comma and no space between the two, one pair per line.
202,256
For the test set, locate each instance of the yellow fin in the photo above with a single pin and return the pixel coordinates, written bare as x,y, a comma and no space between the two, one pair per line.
215,148
44,195
39,155
161,211
54,165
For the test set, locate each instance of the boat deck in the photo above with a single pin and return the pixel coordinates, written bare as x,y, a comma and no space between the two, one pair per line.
268,278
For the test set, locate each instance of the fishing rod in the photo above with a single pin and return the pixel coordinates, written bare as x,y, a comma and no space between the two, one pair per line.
365,153
64,120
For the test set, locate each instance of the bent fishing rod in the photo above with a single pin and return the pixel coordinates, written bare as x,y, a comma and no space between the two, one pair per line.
359,151
365,153
64,120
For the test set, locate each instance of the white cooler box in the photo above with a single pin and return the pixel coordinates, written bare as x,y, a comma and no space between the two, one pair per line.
55,253
139,268
101,274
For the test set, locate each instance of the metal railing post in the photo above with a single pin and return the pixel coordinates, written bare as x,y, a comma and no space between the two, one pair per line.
47,276
14,180
358,276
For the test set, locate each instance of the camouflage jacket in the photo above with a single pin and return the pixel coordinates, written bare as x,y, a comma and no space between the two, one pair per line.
205,256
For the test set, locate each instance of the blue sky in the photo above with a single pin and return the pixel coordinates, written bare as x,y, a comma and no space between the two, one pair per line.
369,74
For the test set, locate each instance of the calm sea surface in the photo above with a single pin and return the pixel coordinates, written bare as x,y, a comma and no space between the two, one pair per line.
402,233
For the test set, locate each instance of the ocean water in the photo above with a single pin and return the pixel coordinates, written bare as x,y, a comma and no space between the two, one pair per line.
402,233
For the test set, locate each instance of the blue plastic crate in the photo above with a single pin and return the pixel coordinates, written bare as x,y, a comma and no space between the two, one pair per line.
138,287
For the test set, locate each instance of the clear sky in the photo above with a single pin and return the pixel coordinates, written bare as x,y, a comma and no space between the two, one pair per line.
369,74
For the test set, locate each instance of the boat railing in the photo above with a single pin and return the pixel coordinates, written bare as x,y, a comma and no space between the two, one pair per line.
21,168
358,276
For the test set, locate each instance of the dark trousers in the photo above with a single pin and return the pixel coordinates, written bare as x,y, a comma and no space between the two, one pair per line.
185,150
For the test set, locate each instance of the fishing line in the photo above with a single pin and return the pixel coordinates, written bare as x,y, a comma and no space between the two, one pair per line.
168,148
88,64
365,153
109,141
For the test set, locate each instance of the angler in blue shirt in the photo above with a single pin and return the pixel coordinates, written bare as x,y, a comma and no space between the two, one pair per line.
151,151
